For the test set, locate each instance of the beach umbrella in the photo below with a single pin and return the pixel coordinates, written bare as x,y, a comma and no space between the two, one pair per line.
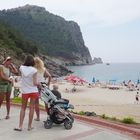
69,77
82,81
74,79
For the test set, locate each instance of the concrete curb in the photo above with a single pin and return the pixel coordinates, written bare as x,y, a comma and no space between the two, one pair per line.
120,127
133,131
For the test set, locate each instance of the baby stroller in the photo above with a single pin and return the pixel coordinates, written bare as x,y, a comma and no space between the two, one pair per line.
57,109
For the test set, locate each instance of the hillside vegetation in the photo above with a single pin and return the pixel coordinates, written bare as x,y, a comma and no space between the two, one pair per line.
53,35
11,39
13,44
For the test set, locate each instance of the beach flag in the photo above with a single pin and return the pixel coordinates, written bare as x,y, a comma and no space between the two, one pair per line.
93,80
138,81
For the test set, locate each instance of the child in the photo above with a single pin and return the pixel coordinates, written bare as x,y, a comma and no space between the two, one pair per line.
59,97
56,92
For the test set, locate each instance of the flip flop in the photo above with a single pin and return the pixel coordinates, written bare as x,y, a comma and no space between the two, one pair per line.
29,129
17,129
37,119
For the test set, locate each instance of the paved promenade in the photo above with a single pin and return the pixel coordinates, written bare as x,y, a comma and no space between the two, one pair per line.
80,130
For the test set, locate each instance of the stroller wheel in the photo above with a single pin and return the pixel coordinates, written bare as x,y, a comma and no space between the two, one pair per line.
71,117
48,124
67,124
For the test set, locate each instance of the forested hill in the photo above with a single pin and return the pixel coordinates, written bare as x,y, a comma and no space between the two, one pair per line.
15,45
53,35
11,40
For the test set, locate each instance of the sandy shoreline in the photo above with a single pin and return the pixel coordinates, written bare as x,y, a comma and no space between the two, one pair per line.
113,103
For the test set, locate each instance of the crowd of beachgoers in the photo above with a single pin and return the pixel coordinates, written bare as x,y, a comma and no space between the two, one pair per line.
115,100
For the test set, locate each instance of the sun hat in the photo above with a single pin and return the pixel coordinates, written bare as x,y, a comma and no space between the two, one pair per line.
7,59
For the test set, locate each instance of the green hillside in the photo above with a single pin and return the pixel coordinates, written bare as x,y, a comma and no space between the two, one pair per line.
54,35
13,44
12,40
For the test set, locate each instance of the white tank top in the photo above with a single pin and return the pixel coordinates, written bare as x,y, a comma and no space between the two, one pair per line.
6,71
40,77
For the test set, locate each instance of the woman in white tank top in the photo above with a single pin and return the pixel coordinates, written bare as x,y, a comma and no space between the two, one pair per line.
29,90
42,76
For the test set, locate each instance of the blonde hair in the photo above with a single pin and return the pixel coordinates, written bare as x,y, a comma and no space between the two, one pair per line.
39,65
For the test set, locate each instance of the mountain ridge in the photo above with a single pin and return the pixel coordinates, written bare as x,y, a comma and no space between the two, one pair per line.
54,35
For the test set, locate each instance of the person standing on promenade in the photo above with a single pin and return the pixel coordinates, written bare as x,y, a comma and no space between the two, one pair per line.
42,75
137,96
29,90
6,82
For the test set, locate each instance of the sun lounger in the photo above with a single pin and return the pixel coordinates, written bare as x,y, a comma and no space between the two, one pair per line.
114,87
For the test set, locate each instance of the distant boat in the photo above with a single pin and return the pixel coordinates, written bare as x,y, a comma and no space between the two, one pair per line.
107,63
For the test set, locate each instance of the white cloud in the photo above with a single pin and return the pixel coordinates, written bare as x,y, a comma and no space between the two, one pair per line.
100,12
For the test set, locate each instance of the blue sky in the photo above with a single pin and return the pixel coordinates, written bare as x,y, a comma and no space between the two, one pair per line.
110,28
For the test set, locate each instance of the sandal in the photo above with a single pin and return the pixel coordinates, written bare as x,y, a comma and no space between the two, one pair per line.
17,129
29,129
37,119
7,117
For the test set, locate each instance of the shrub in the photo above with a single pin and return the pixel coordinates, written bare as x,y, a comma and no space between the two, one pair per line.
114,118
104,116
17,100
128,120
81,113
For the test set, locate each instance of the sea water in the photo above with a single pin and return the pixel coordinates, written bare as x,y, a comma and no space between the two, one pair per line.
118,72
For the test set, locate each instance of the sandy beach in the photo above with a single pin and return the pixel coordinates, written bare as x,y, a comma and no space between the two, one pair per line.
113,103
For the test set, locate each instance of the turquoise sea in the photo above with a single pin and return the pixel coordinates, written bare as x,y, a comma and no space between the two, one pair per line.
102,72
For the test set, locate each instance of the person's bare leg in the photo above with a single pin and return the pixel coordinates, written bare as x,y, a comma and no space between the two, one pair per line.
47,110
31,113
37,110
8,104
1,98
22,112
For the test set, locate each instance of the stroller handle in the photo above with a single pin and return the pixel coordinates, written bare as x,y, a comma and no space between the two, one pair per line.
44,84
